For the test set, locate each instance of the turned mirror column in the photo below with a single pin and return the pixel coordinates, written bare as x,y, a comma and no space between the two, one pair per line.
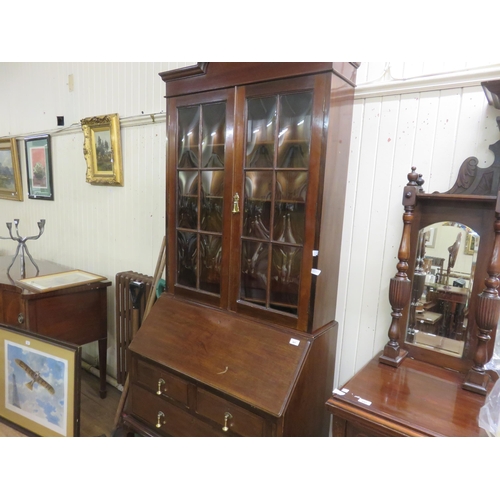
444,296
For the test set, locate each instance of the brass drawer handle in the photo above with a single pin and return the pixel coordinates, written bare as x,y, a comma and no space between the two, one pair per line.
160,383
227,416
158,423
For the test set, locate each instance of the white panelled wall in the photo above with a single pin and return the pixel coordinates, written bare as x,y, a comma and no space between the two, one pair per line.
430,117
101,229
402,118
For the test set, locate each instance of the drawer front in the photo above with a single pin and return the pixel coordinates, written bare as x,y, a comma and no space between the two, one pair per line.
240,421
12,309
355,430
173,421
157,380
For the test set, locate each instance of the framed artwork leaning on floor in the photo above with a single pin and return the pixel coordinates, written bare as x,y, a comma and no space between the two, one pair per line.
39,383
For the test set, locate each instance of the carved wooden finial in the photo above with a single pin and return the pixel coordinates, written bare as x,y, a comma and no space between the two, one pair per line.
413,177
420,183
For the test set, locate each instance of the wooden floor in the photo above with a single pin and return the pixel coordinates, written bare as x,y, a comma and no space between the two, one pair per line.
96,415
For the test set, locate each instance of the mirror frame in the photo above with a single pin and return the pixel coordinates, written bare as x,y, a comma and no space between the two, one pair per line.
475,197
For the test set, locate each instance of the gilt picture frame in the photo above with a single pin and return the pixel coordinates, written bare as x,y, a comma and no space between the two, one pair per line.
39,384
11,187
39,167
470,244
102,150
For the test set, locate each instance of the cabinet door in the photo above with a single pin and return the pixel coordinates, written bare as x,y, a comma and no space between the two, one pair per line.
198,187
276,177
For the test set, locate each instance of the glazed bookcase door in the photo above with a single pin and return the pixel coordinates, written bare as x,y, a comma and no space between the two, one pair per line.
275,172
199,180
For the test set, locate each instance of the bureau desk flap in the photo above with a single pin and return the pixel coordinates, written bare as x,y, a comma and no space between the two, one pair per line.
253,362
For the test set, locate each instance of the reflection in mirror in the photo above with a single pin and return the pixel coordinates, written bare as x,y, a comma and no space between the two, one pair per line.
441,288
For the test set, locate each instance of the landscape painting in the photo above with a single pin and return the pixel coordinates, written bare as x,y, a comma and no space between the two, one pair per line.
10,173
102,150
39,167
104,155
6,171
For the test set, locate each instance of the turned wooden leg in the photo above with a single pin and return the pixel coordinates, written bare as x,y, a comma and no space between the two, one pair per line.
103,348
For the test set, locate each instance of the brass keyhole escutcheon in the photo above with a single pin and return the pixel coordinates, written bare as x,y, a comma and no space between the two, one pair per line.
159,423
236,203
227,416
160,383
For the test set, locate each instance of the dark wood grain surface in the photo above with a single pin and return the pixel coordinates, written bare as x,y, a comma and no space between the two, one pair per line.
415,399
251,361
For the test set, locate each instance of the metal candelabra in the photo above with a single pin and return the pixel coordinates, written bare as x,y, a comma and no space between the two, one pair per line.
21,245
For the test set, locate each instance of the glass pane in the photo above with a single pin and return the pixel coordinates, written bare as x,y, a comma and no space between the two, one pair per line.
214,135
294,138
212,190
189,137
187,210
257,216
289,223
285,277
187,254
291,186
289,208
261,127
210,262
254,271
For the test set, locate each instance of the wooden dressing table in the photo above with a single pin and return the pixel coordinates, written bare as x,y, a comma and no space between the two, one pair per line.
416,399
434,384
77,314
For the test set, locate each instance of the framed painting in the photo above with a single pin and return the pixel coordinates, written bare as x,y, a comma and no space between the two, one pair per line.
39,167
471,240
57,281
11,187
39,384
430,238
102,150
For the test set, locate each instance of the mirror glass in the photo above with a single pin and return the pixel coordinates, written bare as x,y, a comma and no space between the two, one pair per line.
441,289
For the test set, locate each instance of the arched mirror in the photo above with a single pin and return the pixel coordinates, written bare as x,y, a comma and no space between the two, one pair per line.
443,280
445,295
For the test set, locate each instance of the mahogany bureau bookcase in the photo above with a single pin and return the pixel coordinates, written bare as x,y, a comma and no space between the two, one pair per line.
77,314
242,342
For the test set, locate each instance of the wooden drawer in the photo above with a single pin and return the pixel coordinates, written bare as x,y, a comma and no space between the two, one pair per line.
12,309
173,420
156,380
242,422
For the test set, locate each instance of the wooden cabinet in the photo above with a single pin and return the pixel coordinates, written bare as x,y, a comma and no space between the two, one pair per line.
77,314
256,171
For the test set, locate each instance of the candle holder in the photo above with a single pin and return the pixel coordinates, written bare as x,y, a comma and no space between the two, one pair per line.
21,245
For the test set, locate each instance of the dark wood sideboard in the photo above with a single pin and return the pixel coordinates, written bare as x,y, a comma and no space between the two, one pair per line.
77,314
415,399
